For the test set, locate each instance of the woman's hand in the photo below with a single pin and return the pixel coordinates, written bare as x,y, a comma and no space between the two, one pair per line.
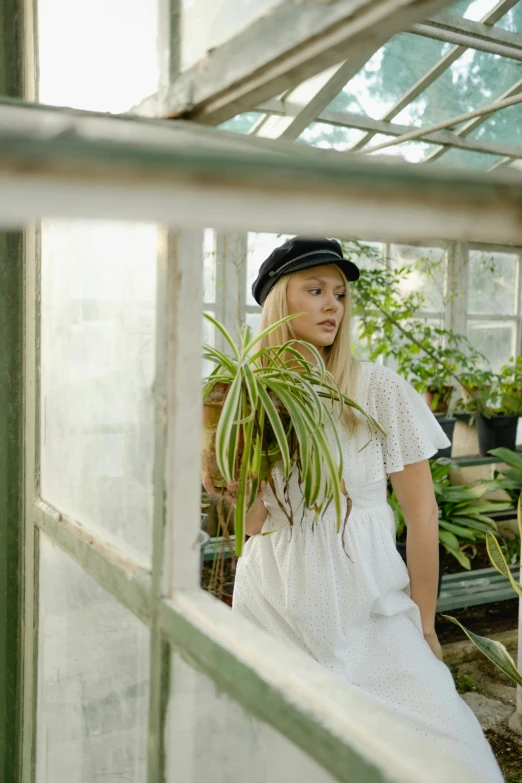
255,518
431,638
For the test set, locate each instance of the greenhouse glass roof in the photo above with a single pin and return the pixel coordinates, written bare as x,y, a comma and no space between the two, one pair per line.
466,59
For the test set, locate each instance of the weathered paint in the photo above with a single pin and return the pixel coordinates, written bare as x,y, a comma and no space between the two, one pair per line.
341,729
11,429
11,504
166,176
115,570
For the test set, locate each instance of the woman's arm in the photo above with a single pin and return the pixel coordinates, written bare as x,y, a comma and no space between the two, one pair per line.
413,487
255,518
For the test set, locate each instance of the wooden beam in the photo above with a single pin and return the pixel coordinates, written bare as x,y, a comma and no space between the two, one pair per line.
349,736
474,35
267,188
288,44
445,62
447,138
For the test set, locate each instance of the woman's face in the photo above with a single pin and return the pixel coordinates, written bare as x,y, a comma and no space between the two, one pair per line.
319,293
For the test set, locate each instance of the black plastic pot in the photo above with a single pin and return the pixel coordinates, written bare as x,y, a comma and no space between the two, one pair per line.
496,432
447,423
442,557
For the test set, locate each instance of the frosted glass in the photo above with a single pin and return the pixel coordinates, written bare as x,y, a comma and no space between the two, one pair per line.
206,24
209,265
259,248
98,332
211,737
495,339
93,673
99,55
492,283
427,265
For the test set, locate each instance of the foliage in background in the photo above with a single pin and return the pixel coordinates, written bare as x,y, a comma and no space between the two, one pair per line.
390,325
509,479
463,513
274,405
496,393
493,650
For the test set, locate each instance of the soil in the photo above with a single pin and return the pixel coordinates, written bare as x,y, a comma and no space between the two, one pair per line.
484,620
508,754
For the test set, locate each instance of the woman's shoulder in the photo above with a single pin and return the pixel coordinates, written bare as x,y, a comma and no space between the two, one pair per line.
376,374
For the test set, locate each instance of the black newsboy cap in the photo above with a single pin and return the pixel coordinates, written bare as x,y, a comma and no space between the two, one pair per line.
300,253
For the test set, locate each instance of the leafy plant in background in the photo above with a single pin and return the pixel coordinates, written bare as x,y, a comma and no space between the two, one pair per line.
495,651
463,513
495,394
433,359
509,479
268,404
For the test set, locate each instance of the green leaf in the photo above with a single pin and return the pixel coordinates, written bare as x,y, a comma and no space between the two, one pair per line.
495,651
278,428
508,456
267,331
227,420
499,561
224,332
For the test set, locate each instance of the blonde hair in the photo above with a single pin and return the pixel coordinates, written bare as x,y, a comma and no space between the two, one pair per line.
337,357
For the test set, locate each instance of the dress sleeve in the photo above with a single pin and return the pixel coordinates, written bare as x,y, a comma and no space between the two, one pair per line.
413,432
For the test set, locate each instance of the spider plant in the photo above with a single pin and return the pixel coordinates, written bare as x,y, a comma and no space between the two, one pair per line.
263,405
495,651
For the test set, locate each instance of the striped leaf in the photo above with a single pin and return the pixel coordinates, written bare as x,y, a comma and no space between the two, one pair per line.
499,561
495,651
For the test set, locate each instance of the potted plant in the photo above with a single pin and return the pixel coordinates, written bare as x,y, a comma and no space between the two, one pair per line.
495,400
495,651
263,405
463,515
509,479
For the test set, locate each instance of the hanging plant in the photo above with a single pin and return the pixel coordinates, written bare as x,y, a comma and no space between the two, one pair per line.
268,405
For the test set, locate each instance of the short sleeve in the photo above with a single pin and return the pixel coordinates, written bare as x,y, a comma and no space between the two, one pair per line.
413,432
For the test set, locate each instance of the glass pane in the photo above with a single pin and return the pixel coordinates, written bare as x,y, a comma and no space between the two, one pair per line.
512,21
495,339
206,24
474,80
392,70
88,53
427,265
259,248
93,669
241,123
325,136
473,9
492,283
504,126
209,266
212,738
411,151
465,159
98,331
253,320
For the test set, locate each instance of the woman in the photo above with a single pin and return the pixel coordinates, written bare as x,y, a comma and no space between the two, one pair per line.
357,609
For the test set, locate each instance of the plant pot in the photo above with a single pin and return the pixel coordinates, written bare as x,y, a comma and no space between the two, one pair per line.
496,432
443,397
447,424
442,558
227,592
212,408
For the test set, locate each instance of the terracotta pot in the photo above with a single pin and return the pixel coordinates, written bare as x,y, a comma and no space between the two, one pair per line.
227,592
444,393
212,408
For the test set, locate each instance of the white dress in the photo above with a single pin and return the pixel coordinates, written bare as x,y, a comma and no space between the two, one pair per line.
350,609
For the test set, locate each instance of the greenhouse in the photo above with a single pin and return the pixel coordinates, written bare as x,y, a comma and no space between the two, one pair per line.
162,163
